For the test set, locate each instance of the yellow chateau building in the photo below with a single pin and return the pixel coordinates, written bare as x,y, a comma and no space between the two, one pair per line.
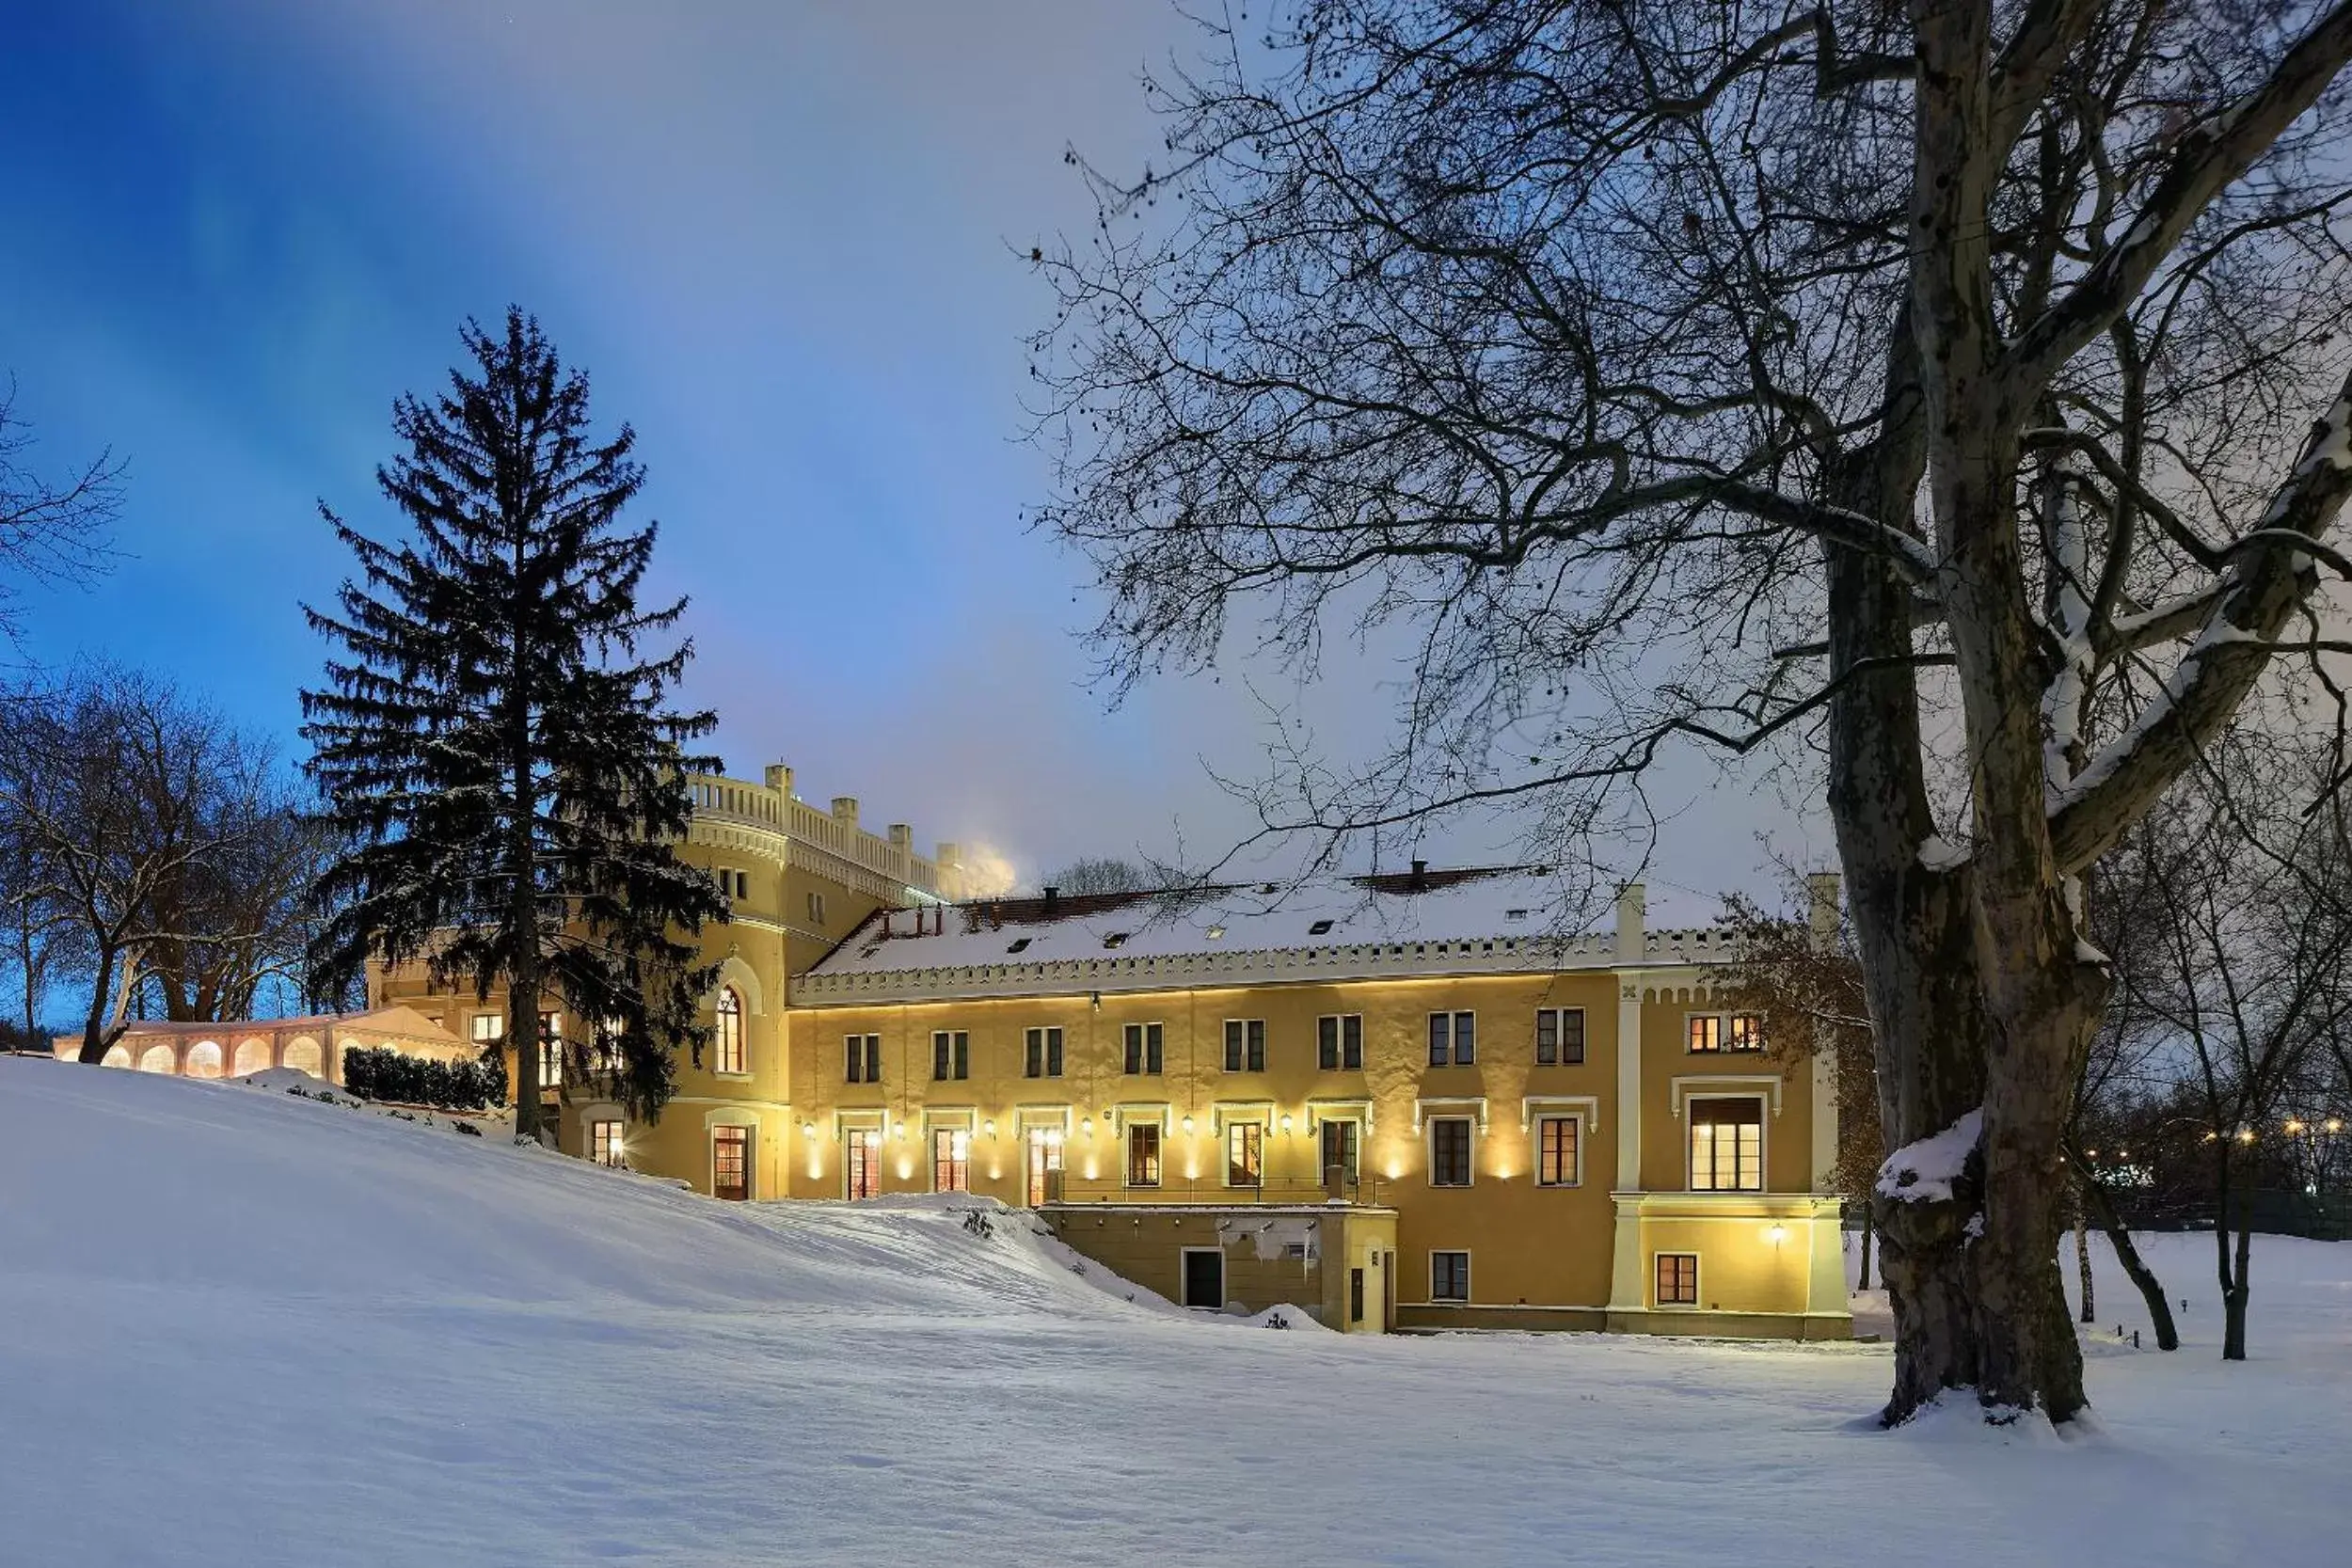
1398,1102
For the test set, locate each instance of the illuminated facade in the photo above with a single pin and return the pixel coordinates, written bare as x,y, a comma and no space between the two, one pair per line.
798,877
1394,1102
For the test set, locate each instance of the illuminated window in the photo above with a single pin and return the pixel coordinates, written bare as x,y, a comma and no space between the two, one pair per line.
951,1160
727,1036
1044,1059
1339,1147
1339,1043
1678,1280
1450,1151
1559,1036
1726,1145
1449,1277
1144,1054
1244,1154
551,1050
861,1162
1747,1031
862,1059
1044,1165
1244,1045
1143,1155
1461,1030
951,1055
604,1143
488,1028
731,1162
1707,1032
1555,1151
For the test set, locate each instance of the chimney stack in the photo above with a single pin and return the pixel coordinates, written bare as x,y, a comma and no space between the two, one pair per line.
845,809
1420,874
780,779
1632,938
1053,899
1822,908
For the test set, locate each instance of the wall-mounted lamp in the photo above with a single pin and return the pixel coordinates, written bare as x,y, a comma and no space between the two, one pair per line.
1777,1234
1187,1124
988,1129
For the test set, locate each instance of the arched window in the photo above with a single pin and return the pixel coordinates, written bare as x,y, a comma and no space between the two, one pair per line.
727,1039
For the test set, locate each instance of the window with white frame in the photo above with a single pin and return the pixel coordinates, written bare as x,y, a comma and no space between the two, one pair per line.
951,1160
1714,1033
488,1028
1339,1043
1244,1045
951,1055
1450,1151
1449,1277
604,1142
1145,1048
1143,1154
1043,1055
861,1162
1726,1143
1557,1140
1339,1140
726,1034
1678,1279
1559,1037
1244,1154
1458,1031
862,1059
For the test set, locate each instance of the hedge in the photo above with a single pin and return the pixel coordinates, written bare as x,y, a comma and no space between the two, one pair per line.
385,1074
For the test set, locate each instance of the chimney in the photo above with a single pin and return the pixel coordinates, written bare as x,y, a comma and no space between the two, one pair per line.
780,779
1053,899
845,809
1632,941
1822,908
1421,875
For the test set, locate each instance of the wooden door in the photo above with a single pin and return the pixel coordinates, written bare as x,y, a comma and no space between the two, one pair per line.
731,1162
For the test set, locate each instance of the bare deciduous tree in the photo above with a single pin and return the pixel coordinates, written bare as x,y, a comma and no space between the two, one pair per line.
51,530
1961,388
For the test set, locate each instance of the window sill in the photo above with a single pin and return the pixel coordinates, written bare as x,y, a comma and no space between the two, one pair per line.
732,1077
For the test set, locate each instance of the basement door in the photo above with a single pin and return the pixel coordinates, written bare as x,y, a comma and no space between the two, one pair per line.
730,1163
1205,1279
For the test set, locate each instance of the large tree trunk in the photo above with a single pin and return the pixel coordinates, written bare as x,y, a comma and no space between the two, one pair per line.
1869,1229
2136,1268
2233,1281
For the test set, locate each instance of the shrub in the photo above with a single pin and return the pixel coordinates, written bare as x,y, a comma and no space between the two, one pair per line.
383,1074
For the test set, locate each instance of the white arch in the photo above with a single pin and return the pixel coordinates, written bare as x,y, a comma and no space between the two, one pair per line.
252,1056
204,1060
302,1053
117,1055
158,1059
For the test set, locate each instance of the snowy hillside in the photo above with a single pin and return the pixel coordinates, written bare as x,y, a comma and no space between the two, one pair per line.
249,1329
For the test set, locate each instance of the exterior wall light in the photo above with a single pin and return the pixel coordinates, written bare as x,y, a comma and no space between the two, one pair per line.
1777,1233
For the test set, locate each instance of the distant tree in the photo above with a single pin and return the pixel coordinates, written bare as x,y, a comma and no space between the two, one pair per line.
2243,955
1803,973
119,797
235,924
51,530
1089,876
498,755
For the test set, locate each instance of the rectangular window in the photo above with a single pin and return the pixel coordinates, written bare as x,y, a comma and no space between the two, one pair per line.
1144,1041
1555,1151
1449,1277
1678,1280
1726,1145
1559,1036
1244,1045
604,1143
1450,1151
731,1162
817,909
1043,1057
1747,1031
861,1162
1339,1043
1045,1164
1338,1149
951,1054
951,1160
488,1028
1244,1154
862,1059
551,1050
1461,1029
1707,1032
1143,1155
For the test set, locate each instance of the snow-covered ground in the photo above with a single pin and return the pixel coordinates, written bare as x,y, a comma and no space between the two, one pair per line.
242,1328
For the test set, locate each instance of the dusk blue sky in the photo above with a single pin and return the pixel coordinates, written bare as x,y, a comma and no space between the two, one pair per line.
780,237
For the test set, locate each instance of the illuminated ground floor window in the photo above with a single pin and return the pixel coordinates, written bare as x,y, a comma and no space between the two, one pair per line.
604,1142
862,1160
1678,1280
952,1161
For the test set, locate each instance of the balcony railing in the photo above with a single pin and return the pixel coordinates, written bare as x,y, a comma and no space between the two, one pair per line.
1285,1192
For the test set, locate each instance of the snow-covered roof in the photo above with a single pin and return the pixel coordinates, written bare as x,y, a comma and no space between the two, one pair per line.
1481,918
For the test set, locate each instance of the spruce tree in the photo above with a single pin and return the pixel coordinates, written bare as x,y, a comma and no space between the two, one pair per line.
495,747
